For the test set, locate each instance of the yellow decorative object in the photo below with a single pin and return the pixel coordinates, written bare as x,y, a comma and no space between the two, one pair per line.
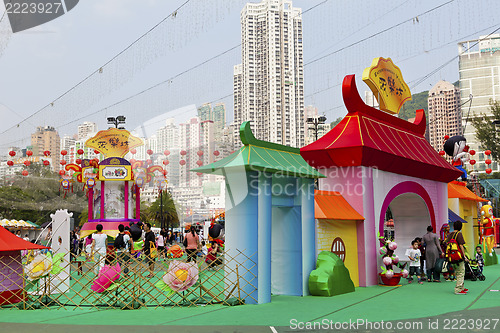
39,267
488,231
386,82
181,274
114,142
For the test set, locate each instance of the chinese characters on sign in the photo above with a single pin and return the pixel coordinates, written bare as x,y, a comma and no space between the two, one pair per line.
114,142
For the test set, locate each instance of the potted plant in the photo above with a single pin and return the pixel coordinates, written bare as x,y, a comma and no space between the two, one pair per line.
389,259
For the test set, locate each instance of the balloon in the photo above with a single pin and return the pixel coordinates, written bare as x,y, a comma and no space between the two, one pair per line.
10,163
442,153
24,173
133,151
166,152
488,161
12,153
149,152
78,161
488,171
472,162
166,162
29,153
183,152
80,151
64,152
63,162
216,153
27,163
487,152
387,261
62,172
472,152
200,163
46,153
46,162
182,162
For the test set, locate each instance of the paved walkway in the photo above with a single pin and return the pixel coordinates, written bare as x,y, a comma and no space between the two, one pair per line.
405,305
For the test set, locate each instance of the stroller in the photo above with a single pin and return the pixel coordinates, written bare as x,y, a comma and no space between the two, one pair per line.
472,270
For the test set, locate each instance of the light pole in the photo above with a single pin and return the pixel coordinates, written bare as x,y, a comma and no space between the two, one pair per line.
316,121
117,121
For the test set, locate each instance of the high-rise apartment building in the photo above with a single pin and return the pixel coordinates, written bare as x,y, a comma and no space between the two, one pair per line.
45,138
479,66
86,129
219,119
205,112
168,136
269,84
445,115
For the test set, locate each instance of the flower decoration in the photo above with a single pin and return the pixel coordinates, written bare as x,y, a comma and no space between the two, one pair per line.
43,265
389,259
180,276
106,277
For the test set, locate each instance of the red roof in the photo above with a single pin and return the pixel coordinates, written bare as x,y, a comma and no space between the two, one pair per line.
373,138
10,242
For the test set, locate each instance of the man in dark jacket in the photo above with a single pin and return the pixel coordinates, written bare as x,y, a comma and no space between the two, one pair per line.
149,241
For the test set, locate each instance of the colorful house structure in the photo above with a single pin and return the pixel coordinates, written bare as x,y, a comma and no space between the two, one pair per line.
269,217
376,161
464,203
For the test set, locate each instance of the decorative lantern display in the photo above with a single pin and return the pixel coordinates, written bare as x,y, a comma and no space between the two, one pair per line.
182,162
199,163
10,163
488,171
487,152
46,153
80,151
183,152
64,152
199,153
216,153
472,152
27,163
199,174
442,153
149,161
25,173
62,172
62,162
166,162
446,137
133,151
96,151
78,161
166,152
488,161
46,163
472,162
149,152
12,153
29,153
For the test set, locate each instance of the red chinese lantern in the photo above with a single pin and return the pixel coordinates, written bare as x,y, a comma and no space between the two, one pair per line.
166,162
166,152
27,163
63,162
46,153
442,153
183,152
80,151
132,161
216,153
472,152
149,162
96,160
200,153
446,137
12,153
78,161
200,163
133,151
199,174
488,161
488,171
29,153
472,162
182,162
64,152
487,152
25,173
62,172
10,163
165,172
149,152
96,151
46,162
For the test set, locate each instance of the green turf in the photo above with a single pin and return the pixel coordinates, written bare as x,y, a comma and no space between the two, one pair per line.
372,303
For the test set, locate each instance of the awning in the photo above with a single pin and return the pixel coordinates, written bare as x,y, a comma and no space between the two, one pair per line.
330,205
452,217
458,189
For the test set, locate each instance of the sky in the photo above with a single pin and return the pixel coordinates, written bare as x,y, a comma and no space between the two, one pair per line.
189,56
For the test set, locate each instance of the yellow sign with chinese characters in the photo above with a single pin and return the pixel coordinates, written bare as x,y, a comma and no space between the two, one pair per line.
114,142
386,82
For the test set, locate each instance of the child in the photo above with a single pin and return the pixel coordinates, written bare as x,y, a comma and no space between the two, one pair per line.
414,256
479,258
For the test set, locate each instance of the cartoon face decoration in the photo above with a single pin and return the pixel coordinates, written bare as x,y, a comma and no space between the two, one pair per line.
455,145
487,211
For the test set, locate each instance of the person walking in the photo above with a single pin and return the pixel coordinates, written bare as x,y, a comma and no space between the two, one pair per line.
123,244
432,253
160,242
98,250
460,266
149,241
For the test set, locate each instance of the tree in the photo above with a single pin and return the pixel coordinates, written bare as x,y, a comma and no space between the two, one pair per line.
486,130
169,212
336,121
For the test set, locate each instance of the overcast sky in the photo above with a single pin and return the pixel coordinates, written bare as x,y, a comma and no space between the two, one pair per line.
39,65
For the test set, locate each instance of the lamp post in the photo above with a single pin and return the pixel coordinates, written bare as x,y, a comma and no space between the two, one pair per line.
316,121
117,121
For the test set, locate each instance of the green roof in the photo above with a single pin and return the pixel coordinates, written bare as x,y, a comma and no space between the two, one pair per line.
262,156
